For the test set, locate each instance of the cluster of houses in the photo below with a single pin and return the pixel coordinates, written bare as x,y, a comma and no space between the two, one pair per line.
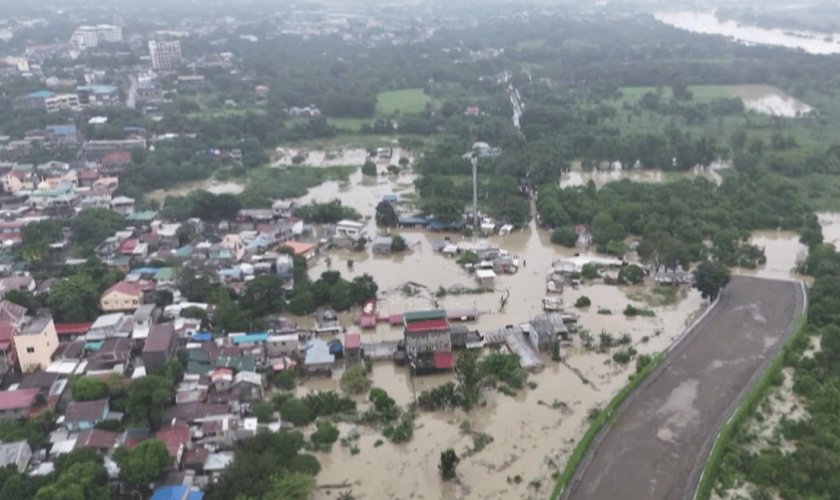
211,410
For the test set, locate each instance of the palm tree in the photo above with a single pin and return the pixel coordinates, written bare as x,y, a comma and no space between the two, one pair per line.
347,495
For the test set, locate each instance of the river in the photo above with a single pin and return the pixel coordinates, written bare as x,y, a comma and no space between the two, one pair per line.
707,23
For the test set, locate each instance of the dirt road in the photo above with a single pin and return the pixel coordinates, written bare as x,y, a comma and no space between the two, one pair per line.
659,438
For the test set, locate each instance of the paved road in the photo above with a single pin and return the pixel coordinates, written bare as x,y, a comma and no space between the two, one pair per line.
662,434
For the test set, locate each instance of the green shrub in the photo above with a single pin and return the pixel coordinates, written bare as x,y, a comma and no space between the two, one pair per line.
583,301
630,310
326,433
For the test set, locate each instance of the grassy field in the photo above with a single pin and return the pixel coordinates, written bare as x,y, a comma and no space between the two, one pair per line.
530,44
406,101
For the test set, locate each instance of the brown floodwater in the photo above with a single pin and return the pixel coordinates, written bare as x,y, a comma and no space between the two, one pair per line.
531,440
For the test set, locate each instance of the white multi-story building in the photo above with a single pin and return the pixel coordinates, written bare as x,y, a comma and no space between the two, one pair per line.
87,37
165,55
61,101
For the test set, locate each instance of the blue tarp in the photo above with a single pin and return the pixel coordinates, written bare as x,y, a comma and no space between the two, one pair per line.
202,337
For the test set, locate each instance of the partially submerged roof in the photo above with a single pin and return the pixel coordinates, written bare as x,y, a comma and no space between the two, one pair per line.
431,314
427,326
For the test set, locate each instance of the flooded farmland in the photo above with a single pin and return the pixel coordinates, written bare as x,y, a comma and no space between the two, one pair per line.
532,440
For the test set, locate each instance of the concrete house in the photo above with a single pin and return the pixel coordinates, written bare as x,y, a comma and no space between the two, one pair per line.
283,345
546,329
426,331
382,245
18,453
110,326
317,358
282,208
84,415
8,355
123,205
122,296
349,228
326,321
144,317
161,346
35,344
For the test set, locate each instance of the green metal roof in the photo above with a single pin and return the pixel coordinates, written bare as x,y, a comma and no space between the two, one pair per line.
142,216
412,316
165,273
198,355
197,368
240,364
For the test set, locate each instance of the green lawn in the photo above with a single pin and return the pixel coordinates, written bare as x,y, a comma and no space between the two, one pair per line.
406,101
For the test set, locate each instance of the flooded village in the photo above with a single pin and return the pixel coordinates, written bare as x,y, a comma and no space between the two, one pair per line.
533,431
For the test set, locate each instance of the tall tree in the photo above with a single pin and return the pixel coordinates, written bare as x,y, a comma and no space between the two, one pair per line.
74,299
386,215
710,278
469,377
141,464
147,397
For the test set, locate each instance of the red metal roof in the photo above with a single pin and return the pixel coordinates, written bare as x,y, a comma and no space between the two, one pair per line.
72,328
351,341
443,360
298,248
85,411
128,245
160,338
21,398
367,321
427,326
395,319
96,438
173,438
118,157
124,287
7,331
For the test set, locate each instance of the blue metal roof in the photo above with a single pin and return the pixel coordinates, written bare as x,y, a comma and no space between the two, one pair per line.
144,270
202,337
63,129
42,93
250,337
413,220
389,197
170,493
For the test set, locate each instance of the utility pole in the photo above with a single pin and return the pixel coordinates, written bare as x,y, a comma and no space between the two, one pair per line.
475,189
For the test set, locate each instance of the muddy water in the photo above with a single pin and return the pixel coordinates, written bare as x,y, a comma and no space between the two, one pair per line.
578,177
707,23
783,251
531,440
